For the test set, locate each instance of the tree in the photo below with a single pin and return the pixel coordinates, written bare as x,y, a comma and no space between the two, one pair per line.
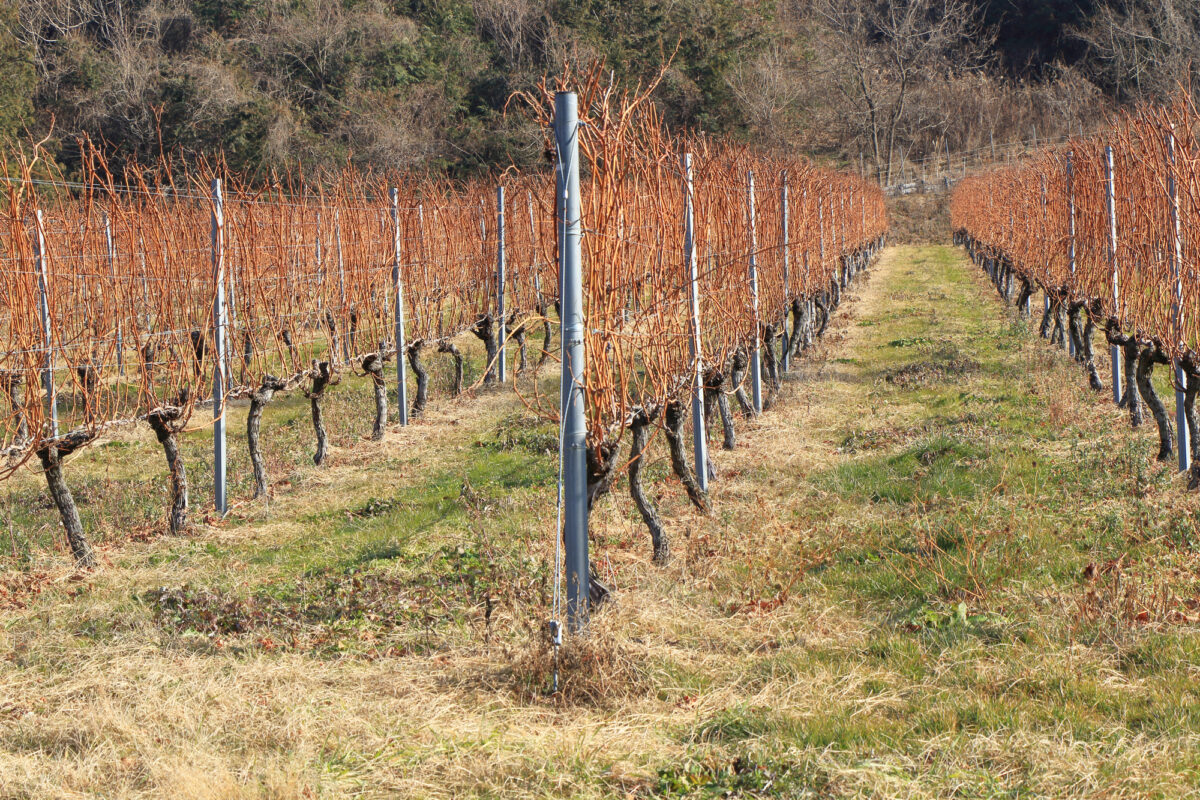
1144,49
883,52
18,82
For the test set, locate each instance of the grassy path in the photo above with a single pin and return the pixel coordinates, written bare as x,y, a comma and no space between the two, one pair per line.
939,566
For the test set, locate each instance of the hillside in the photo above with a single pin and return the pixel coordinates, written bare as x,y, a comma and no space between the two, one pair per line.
423,84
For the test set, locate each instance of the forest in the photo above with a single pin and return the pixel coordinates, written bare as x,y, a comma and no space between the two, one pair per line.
423,84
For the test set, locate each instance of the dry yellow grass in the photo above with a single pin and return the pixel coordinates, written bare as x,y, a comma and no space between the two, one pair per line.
781,636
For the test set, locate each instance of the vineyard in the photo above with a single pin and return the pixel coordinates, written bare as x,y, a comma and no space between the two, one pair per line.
140,298
1099,227
658,470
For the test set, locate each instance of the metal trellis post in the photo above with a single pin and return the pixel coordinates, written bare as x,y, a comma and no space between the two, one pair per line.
344,312
398,291
39,255
783,205
220,388
109,250
1111,198
1070,224
1181,423
574,428
699,433
502,334
756,354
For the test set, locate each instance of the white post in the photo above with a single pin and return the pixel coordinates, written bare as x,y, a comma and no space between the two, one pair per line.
1112,262
112,274
502,334
398,291
219,382
574,424
1070,225
423,254
343,312
1181,378
842,236
537,278
699,433
783,203
756,354
39,256
821,229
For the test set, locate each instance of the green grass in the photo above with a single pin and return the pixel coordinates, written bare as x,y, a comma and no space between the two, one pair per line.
939,566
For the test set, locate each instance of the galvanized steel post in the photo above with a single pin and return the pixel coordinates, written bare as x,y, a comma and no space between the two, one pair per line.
756,354
398,316
39,255
502,334
1111,198
699,433
1181,423
220,389
574,428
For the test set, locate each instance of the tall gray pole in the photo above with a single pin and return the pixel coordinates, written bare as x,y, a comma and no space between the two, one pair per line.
1070,226
533,267
821,229
39,256
112,274
398,291
1181,423
699,433
842,236
502,336
343,311
756,354
783,205
574,428
320,273
1111,198
219,387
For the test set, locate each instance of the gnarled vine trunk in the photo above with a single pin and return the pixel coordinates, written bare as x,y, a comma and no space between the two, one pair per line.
163,421
716,399
740,362
547,332
1131,399
1149,356
770,362
323,377
640,427
824,309
447,346
674,418
799,320
1075,329
485,330
1191,389
601,472
372,365
51,457
518,336
1044,329
418,368
1023,297
258,401
14,387
1089,355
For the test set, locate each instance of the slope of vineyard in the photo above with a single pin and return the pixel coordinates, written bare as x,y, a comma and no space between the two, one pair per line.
872,609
